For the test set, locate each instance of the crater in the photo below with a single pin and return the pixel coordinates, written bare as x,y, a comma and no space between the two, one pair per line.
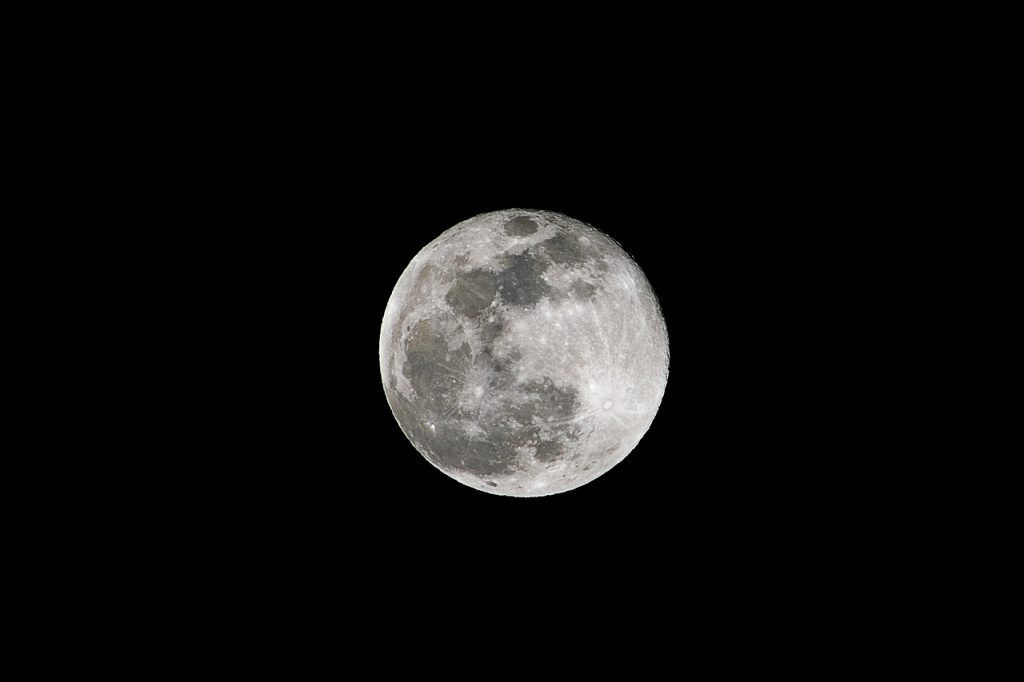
520,226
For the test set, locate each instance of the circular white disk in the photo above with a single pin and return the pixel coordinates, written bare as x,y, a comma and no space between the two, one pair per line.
523,353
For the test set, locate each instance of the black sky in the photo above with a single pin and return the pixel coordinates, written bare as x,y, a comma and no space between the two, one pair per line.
316,220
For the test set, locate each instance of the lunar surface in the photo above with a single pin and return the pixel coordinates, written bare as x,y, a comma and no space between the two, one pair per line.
523,353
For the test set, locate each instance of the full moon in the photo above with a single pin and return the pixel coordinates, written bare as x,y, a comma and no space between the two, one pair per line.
523,353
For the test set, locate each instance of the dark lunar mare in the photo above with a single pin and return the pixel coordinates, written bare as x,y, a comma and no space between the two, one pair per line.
520,226
437,375
520,279
583,290
473,292
564,248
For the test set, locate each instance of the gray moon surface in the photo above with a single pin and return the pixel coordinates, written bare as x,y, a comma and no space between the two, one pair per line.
523,353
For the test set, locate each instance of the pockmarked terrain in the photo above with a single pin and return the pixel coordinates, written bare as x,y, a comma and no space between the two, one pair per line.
523,353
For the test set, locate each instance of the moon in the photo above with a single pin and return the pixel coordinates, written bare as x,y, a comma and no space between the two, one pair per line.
523,353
